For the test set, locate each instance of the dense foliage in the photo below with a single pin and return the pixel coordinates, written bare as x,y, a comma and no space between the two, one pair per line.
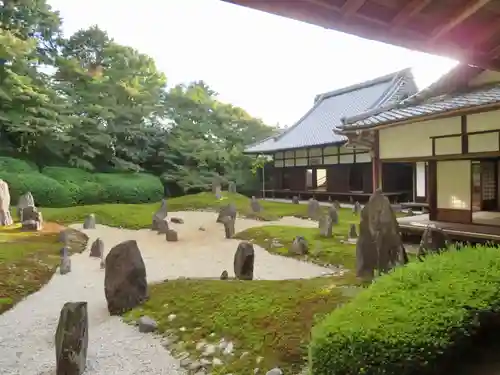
88,102
415,320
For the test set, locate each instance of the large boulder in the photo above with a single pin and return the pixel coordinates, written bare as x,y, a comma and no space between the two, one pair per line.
71,339
160,215
227,210
379,246
244,259
25,200
5,216
125,284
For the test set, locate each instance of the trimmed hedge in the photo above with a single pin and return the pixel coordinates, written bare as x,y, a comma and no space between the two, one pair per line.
414,320
64,187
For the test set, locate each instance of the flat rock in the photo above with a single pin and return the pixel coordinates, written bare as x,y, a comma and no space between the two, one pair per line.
147,324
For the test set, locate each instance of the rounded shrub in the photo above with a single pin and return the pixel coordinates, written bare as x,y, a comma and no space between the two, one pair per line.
414,320
46,191
11,165
65,174
130,187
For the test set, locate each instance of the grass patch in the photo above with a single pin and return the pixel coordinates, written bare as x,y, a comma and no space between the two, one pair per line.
28,261
138,216
268,319
322,250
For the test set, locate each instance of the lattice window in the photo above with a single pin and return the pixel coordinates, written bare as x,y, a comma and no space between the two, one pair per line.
488,183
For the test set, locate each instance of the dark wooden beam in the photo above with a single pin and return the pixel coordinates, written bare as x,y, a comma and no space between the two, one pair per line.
411,8
461,15
351,7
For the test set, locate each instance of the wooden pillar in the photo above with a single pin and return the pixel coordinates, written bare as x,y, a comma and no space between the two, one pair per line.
432,188
376,165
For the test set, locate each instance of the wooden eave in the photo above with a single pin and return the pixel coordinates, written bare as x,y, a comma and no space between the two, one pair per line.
466,30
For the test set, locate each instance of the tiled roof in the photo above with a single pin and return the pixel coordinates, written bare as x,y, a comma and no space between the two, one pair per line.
424,102
407,110
316,126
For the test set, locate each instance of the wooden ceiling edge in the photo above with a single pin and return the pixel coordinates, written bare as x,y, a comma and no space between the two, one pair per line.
411,9
460,16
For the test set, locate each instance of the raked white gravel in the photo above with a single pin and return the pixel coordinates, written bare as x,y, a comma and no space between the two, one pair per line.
27,330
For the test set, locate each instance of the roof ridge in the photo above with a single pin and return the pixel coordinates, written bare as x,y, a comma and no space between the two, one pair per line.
364,84
414,99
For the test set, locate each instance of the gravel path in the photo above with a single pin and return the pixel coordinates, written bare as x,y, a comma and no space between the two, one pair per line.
27,330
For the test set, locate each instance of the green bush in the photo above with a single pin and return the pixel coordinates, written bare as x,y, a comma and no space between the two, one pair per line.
412,320
46,191
73,175
130,187
11,165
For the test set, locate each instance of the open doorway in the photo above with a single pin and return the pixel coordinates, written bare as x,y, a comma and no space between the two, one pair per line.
316,179
485,192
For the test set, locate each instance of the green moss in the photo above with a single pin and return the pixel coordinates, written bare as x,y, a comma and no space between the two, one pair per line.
335,250
269,319
28,261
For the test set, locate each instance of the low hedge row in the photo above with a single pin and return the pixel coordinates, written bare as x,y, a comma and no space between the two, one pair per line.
64,187
414,320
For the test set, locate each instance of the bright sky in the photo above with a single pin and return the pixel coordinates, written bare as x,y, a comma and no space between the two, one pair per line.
271,66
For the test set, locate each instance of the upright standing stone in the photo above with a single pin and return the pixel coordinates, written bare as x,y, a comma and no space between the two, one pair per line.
97,248
24,201
218,192
336,204
32,219
244,259
409,212
125,283
64,236
231,187
159,215
325,226
434,240
352,232
65,265
356,209
334,215
5,216
299,246
216,187
351,200
227,210
71,339
228,226
295,199
313,209
255,205
379,246
162,226
89,222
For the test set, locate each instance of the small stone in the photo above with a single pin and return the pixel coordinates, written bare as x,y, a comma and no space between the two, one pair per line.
255,205
244,354
217,362
205,362
177,220
356,209
275,371
200,345
97,248
212,334
182,329
352,232
299,246
202,229
210,349
171,317
229,348
256,370
295,199
259,359
171,236
195,366
185,362
200,373
224,275
222,344
147,324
